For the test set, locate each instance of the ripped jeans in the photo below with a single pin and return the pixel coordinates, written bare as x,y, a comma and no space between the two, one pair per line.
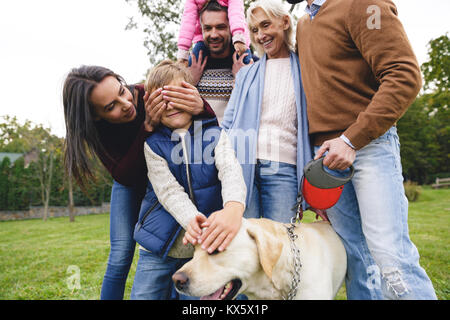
371,217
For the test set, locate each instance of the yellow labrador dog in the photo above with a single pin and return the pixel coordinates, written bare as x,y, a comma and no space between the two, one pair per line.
259,262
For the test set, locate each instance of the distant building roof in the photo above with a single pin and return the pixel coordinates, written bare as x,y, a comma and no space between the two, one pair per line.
12,156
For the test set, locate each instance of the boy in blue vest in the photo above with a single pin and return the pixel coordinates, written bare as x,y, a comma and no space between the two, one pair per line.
196,182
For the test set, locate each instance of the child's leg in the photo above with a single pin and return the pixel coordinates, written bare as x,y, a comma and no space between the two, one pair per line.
153,278
199,46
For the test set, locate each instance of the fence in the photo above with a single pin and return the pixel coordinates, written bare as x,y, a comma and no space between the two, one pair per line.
38,212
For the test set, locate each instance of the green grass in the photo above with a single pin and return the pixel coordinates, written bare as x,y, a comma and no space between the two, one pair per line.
35,255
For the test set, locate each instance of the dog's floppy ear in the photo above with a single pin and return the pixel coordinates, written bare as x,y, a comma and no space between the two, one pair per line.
269,246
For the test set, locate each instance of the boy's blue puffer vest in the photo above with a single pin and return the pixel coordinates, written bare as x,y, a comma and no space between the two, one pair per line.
156,229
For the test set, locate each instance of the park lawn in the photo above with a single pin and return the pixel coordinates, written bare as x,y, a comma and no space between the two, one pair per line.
35,255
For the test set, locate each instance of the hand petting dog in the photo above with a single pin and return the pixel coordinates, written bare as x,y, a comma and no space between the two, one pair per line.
217,231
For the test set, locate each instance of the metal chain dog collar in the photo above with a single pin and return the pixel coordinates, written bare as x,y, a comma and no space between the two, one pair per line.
295,260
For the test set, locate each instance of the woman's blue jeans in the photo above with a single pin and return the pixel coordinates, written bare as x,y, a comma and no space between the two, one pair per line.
125,205
274,192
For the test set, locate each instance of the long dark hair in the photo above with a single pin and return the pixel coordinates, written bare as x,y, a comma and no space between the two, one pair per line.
82,139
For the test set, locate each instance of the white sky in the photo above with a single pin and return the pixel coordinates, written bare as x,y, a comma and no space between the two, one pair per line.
41,40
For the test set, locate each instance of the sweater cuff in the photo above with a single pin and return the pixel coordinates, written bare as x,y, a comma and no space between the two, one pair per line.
239,37
182,54
207,110
357,137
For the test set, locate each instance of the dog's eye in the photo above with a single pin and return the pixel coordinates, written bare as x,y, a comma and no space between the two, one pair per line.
214,252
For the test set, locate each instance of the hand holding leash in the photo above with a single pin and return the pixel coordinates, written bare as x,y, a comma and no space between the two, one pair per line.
340,155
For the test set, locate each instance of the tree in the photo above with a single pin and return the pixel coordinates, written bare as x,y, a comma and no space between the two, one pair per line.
417,142
45,162
4,183
425,128
161,24
15,137
436,71
43,181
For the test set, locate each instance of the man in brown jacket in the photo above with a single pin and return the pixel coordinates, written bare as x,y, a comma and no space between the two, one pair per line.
360,75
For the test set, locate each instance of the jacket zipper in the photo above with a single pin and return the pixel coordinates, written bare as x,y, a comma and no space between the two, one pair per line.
169,240
146,214
191,195
186,165
154,205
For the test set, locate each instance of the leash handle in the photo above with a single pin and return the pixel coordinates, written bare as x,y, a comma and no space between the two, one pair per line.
316,175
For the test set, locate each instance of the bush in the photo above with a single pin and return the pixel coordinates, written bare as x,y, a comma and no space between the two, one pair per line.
412,190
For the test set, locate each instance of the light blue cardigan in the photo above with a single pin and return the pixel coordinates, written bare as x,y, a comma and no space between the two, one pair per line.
242,117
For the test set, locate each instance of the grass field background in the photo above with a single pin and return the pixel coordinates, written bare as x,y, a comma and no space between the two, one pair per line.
35,255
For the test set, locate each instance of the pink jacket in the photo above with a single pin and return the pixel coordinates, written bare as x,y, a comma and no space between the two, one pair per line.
191,31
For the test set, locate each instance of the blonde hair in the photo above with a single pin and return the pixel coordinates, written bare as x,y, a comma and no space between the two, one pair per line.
165,72
273,9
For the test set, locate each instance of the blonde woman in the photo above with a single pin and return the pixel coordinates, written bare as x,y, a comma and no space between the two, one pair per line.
266,115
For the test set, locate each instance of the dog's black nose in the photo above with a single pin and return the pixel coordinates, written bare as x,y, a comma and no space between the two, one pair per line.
181,280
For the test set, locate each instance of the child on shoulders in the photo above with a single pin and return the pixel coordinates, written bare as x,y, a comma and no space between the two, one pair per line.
191,29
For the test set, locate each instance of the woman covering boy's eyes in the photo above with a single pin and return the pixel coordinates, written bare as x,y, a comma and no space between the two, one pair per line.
112,101
174,114
180,96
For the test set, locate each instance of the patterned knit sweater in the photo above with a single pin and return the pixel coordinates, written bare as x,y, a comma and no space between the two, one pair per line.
217,83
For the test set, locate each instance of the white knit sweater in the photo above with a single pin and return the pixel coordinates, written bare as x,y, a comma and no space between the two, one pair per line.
277,136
